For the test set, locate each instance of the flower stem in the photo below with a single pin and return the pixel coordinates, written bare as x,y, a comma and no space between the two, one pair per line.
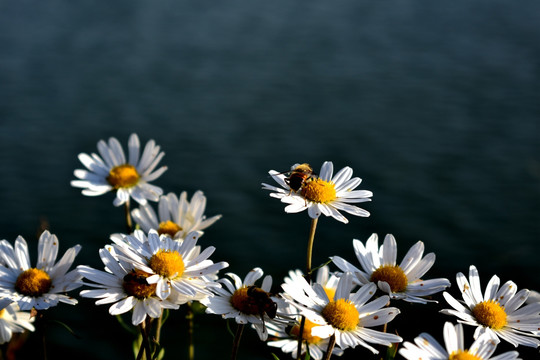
330,348
191,326
129,223
300,333
145,344
237,338
310,248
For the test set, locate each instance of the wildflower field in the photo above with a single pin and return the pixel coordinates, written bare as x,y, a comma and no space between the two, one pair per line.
160,279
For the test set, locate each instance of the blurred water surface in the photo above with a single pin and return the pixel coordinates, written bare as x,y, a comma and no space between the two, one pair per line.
434,105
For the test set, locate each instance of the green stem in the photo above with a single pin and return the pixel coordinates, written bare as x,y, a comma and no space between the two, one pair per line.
191,326
300,334
129,223
330,348
157,336
145,344
310,248
237,338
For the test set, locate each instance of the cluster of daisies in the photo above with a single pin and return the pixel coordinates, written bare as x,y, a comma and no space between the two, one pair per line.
158,266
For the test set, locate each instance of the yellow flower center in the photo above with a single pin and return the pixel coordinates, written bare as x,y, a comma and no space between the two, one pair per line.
123,176
319,191
250,305
33,282
393,275
168,228
306,334
330,293
2,313
135,284
490,313
167,263
341,314
463,355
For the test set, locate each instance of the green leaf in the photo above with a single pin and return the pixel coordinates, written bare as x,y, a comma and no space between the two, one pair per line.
67,328
229,328
126,326
320,266
275,356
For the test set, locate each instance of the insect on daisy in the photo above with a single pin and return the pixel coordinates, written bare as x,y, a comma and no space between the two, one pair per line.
347,316
111,171
496,312
244,301
44,285
425,347
13,321
177,216
326,194
123,286
178,269
401,281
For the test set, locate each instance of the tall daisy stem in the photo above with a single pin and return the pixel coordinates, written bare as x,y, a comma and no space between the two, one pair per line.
129,223
310,248
330,348
237,338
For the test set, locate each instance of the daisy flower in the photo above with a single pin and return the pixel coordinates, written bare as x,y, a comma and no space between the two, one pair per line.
286,334
497,311
42,286
425,347
235,299
326,194
177,216
398,281
178,269
109,171
123,286
12,320
348,316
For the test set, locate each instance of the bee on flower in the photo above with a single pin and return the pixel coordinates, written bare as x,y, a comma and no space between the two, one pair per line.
326,194
111,171
244,301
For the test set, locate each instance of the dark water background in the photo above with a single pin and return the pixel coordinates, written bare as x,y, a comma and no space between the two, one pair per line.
435,105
